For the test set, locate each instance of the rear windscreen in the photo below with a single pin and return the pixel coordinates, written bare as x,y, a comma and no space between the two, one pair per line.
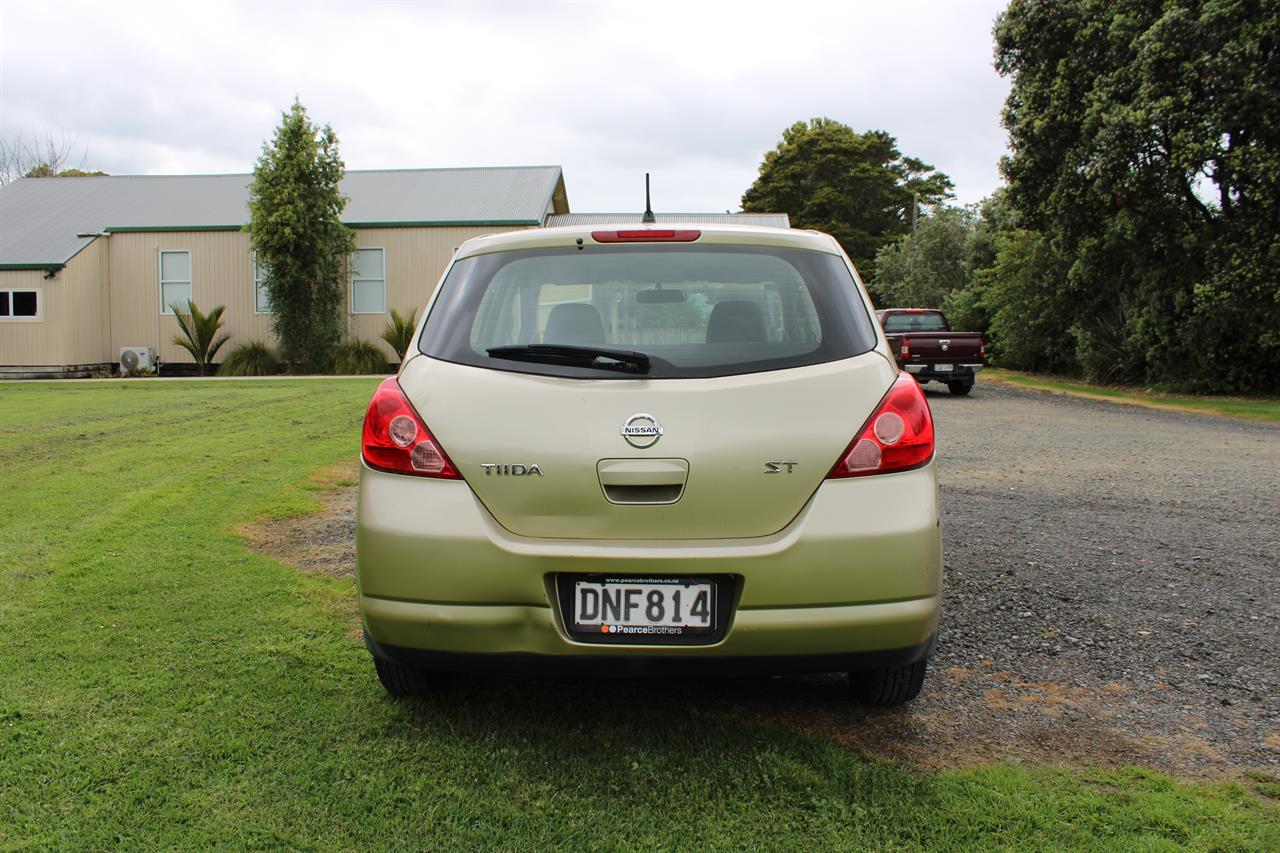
921,321
696,312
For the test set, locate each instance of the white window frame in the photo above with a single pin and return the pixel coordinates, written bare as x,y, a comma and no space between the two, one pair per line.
165,309
39,315
257,286
351,297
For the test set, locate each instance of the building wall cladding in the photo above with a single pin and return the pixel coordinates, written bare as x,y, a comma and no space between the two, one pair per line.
222,274
72,327
415,260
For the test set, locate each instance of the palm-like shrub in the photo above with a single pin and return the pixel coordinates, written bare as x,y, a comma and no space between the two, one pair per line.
358,357
200,333
252,359
399,331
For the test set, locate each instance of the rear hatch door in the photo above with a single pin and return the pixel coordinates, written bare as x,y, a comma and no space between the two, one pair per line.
737,456
744,371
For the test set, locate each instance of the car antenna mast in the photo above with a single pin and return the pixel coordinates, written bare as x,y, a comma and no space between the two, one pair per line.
648,207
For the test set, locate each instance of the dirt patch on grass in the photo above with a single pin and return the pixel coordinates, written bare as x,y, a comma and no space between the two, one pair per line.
323,542
970,718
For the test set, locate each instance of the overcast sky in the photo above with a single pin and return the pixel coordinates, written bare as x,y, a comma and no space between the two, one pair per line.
693,92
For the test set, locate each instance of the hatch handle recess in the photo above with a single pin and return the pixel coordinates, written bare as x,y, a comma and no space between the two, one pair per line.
642,481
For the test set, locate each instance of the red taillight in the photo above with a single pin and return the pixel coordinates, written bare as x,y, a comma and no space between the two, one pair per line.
647,235
982,347
897,437
396,439
906,348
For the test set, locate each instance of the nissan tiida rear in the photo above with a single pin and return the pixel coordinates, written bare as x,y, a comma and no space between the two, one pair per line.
650,449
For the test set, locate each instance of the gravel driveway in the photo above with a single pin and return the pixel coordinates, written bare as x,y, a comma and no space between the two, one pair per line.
1126,556
1111,591
1111,597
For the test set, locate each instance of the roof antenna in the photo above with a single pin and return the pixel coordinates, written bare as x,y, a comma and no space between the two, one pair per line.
648,208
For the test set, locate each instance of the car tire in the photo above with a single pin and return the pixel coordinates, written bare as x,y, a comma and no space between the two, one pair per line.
889,686
403,679
961,388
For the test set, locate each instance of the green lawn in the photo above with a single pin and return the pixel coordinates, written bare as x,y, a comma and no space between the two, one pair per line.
161,686
1248,408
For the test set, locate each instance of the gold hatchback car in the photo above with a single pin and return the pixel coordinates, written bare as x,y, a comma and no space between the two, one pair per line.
650,449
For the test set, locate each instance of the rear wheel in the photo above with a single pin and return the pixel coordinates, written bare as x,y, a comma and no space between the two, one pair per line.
960,387
890,686
403,679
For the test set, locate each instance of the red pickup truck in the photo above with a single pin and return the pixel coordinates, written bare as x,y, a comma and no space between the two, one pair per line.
925,347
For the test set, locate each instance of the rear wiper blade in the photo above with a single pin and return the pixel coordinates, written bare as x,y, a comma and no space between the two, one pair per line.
601,358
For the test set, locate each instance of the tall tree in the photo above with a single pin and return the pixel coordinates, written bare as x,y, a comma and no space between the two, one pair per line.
302,246
858,187
923,268
1146,151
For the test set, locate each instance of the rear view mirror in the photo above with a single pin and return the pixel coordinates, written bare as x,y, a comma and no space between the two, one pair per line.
659,295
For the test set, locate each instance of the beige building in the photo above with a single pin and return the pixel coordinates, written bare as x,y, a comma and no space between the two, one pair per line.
89,266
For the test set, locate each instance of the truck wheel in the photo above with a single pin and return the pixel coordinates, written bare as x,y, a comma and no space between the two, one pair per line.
890,686
402,679
960,388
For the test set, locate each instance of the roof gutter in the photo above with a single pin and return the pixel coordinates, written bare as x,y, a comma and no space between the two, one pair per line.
444,223
429,223
158,229
145,229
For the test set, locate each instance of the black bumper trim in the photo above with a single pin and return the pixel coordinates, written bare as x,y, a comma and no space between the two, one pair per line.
632,665
958,375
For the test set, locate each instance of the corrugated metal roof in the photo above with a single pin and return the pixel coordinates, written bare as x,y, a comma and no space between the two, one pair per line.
769,220
40,217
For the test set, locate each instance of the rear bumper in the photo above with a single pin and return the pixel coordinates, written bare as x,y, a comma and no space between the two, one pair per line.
519,663
855,575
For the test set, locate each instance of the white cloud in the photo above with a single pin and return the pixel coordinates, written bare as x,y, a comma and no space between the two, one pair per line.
693,92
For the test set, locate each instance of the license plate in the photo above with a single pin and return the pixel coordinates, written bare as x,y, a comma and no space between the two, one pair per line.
644,606
944,368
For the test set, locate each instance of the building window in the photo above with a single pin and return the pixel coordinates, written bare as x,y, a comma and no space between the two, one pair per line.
261,299
369,282
19,304
175,280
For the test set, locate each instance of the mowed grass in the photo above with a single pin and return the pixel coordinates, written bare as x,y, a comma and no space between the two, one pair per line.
161,686
1247,408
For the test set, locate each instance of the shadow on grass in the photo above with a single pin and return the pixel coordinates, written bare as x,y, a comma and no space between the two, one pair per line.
664,743
595,723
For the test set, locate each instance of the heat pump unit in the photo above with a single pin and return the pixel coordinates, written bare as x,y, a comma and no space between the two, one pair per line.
133,359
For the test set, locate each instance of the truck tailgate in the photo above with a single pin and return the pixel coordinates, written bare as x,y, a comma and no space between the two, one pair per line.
939,347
